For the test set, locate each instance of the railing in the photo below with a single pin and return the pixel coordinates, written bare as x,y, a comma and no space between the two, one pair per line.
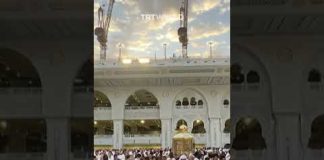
20,90
190,107
103,139
82,89
141,135
102,113
168,62
142,139
141,107
101,108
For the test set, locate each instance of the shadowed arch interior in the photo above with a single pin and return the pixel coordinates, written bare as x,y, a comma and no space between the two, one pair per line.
17,71
237,77
316,141
103,127
101,100
314,76
227,128
142,127
30,132
141,98
252,77
198,127
248,135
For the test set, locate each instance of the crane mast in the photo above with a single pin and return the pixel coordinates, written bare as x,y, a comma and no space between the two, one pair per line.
182,31
103,27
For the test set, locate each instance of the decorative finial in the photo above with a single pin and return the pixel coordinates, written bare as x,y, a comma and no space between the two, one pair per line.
183,128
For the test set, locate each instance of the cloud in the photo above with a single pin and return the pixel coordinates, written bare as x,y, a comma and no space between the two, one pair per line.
201,6
143,38
206,31
141,44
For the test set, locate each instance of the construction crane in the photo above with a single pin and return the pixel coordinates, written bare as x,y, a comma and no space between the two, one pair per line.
103,27
182,31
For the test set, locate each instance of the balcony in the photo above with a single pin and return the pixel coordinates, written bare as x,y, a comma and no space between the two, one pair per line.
103,140
14,101
128,139
102,113
113,63
138,112
142,139
190,107
84,89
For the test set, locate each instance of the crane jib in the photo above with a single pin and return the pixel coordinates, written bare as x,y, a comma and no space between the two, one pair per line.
103,28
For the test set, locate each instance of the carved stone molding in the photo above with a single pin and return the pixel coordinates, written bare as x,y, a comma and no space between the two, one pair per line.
166,93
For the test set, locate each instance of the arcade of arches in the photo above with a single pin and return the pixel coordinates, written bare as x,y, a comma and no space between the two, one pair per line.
142,111
25,78
22,93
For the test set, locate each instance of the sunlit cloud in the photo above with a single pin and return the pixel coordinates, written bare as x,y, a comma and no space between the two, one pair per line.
201,6
207,31
142,38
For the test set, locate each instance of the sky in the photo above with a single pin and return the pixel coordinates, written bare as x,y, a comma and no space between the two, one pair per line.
208,20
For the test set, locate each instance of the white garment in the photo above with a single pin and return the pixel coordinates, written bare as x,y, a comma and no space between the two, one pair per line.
183,157
111,157
121,157
228,156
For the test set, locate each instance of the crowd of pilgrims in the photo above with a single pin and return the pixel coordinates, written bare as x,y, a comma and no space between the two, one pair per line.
162,154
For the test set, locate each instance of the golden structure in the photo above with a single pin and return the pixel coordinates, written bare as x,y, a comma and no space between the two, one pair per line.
182,142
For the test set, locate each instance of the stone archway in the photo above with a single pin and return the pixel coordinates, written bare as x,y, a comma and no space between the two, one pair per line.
316,141
248,135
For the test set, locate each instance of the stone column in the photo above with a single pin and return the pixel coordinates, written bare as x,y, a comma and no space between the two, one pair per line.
58,138
215,132
166,133
212,130
288,136
118,134
190,124
56,108
218,132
